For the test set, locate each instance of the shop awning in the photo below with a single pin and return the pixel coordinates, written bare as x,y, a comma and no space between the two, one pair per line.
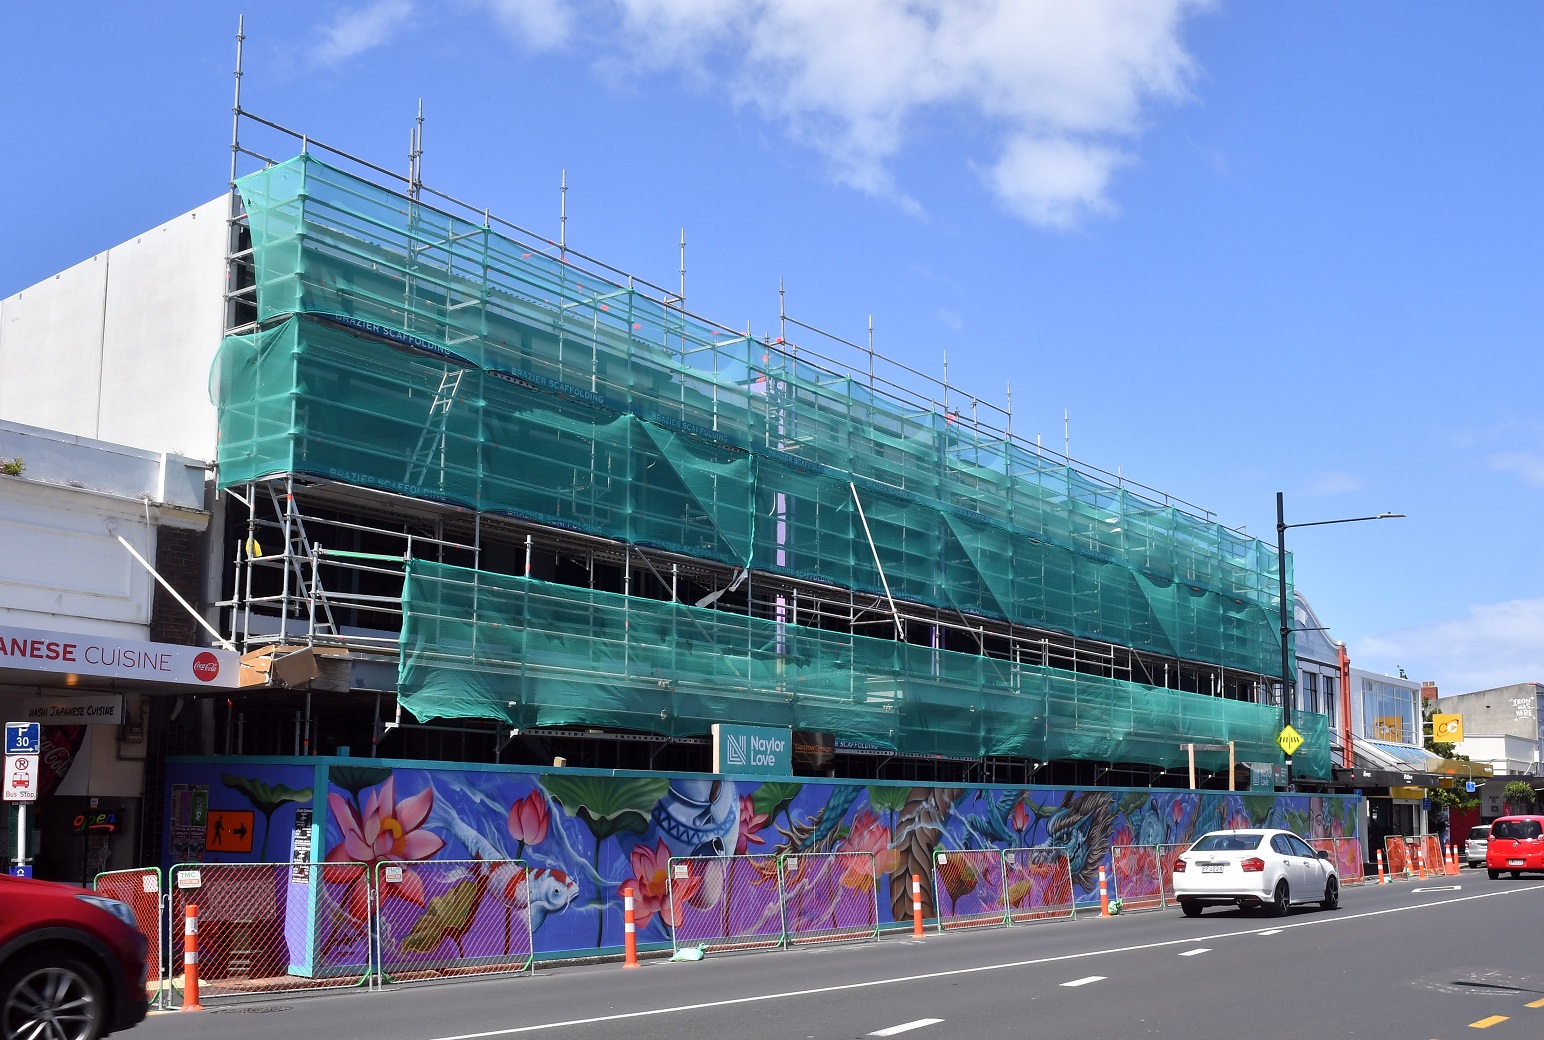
1385,754
1364,778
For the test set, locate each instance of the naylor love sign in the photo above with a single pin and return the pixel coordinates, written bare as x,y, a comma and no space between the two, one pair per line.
71,653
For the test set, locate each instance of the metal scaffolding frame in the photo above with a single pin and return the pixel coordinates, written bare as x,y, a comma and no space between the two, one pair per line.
311,592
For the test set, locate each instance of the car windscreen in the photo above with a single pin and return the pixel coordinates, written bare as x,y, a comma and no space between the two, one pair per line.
1227,842
1517,830
1479,833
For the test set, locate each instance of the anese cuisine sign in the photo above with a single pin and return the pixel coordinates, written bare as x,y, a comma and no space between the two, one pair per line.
71,653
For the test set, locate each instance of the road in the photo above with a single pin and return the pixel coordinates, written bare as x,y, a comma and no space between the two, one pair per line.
1414,961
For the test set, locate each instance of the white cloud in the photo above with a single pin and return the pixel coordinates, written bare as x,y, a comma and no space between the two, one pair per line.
1525,464
1056,90
1335,483
1493,645
361,29
541,24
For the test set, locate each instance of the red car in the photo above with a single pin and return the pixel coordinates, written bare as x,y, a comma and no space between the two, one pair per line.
1516,844
72,962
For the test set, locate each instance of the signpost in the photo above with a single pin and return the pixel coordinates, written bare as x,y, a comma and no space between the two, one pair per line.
227,831
23,744
1289,740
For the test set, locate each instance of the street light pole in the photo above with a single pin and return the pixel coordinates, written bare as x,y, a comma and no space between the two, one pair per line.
1286,625
1286,628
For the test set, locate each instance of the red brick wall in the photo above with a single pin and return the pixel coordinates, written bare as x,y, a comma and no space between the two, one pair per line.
179,556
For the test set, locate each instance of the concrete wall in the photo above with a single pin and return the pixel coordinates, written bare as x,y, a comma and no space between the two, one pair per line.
1505,710
118,347
60,567
1509,755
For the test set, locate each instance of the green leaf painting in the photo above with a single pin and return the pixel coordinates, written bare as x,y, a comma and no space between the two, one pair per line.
354,779
607,806
887,798
1132,801
265,799
1258,806
773,797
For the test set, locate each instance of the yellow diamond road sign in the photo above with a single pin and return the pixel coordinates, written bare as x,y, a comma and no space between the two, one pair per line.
1289,740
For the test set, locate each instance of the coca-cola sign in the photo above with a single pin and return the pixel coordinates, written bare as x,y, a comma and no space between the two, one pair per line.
60,746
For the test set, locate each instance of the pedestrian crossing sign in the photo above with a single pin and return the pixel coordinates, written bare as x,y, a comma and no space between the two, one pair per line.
1289,740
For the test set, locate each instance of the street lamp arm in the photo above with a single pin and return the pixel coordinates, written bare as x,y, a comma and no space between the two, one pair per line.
1286,625
1347,520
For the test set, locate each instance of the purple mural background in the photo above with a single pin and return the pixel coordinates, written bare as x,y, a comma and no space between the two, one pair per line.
586,833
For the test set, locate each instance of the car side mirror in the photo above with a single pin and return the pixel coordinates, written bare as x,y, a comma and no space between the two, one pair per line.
1323,854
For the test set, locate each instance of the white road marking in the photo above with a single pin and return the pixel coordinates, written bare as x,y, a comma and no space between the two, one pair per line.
1438,888
1196,953
953,972
906,1027
1270,931
1086,981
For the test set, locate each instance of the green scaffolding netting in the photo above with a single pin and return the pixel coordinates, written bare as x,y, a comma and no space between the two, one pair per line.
410,351
483,645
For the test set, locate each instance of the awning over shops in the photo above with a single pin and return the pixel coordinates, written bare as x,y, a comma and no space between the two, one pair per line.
1403,756
1387,755
1363,779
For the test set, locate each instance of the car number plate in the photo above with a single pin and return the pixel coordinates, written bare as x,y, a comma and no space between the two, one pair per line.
1515,862
1212,869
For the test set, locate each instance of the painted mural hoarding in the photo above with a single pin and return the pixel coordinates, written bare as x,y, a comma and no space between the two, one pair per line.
585,834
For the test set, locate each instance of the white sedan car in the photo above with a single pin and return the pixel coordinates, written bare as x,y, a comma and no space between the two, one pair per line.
1249,869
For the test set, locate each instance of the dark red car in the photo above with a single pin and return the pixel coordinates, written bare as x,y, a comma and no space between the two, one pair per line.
72,962
1516,844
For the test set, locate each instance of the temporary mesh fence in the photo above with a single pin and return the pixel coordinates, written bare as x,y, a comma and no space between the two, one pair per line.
444,918
1167,855
142,890
1138,877
1037,885
406,350
1346,854
535,653
1349,861
726,902
1396,850
1431,854
968,886
829,897
272,927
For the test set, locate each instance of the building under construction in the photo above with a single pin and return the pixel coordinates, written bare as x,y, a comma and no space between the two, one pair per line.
536,492
482,497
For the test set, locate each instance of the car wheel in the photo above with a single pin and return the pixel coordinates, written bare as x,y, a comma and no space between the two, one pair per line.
58,997
1282,900
1331,900
1190,907
1494,874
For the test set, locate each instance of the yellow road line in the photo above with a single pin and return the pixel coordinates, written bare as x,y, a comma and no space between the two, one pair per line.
1536,1003
1486,1023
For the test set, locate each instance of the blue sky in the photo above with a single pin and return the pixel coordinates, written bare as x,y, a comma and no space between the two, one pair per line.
1249,247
